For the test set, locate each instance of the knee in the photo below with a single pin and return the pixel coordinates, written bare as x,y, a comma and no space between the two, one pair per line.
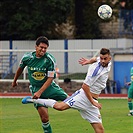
100,130
44,118
129,99
43,114
98,127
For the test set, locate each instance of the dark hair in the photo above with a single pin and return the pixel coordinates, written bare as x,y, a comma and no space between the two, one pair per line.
42,39
104,51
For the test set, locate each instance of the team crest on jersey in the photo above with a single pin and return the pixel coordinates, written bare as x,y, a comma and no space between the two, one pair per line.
38,75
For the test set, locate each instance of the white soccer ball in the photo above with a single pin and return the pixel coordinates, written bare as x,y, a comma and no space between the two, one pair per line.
104,11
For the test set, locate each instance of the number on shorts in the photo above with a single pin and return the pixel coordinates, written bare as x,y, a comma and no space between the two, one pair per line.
71,102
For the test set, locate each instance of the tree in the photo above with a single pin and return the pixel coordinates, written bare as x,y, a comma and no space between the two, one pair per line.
86,21
56,19
29,19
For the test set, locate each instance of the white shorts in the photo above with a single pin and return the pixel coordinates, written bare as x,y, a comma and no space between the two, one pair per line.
79,101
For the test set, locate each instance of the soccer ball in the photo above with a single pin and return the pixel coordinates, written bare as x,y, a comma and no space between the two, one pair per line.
104,11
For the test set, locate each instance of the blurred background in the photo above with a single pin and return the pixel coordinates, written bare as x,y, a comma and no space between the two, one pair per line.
74,30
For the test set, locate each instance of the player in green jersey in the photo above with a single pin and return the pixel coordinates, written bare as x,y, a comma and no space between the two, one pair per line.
130,94
41,72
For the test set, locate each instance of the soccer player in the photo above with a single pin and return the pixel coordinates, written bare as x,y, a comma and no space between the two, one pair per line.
41,72
85,100
130,94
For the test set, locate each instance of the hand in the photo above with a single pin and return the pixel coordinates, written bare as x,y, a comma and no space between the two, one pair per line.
99,105
14,84
128,83
36,95
83,61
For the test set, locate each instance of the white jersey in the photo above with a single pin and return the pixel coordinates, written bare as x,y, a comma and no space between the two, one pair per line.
98,82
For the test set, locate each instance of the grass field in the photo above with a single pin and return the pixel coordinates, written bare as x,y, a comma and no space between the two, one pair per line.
18,118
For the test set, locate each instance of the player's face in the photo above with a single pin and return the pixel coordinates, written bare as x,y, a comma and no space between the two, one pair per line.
41,49
104,59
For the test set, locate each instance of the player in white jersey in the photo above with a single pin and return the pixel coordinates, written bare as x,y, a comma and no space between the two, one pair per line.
85,99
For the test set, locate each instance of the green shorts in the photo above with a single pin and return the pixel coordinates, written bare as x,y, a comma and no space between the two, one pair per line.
52,92
130,92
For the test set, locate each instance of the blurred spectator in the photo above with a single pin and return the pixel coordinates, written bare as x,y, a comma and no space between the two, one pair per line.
110,87
123,4
126,14
67,84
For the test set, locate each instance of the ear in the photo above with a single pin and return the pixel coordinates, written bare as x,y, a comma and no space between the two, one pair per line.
35,46
110,58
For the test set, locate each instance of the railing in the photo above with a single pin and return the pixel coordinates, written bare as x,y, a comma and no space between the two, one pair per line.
6,70
6,64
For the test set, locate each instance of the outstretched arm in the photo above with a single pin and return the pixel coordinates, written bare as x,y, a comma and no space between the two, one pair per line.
84,61
18,73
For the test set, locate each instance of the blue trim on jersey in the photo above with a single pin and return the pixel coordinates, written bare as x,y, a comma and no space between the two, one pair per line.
73,95
96,69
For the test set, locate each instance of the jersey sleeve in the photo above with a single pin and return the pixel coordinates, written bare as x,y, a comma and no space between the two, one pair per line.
51,67
25,59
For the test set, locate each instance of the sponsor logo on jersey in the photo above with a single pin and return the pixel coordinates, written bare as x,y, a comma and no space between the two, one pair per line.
131,78
36,68
38,75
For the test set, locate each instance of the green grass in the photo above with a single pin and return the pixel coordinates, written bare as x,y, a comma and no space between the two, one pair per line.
18,118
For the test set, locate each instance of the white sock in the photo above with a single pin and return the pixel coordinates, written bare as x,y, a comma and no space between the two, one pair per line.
30,100
45,102
131,111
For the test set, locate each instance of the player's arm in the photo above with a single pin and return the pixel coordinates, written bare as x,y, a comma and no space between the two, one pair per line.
86,89
18,73
43,88
128,83
84,61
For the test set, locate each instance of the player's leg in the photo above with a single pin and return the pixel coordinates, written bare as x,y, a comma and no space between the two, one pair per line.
46,103
93,116
43,112
66,104
98,127
61,106
130,104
